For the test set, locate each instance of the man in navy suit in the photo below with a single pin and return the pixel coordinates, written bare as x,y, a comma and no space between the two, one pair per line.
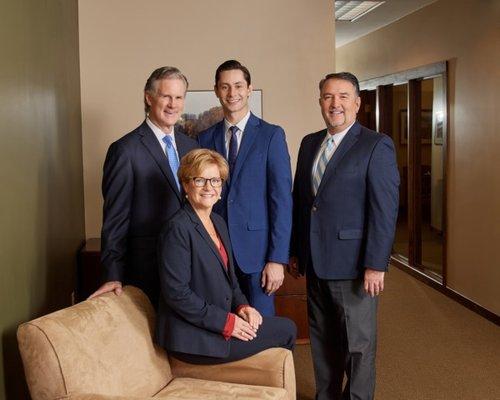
141,189
345,208
256,202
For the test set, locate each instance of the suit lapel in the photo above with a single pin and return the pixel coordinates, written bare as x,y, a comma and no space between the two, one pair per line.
249,136
150,141
349,140
220,139
206,237
312,153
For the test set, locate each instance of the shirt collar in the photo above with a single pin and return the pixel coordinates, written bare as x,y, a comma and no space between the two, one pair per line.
158,132
337,137
241,125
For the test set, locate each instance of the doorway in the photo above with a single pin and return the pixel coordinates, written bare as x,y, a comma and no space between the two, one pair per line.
411,107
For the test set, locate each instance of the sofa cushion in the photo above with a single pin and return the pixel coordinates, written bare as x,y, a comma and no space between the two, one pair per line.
103,345
189,388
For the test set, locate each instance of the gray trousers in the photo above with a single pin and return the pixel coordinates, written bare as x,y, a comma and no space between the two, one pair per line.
343,333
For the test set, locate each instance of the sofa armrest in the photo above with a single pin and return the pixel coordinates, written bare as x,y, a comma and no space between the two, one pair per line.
272,367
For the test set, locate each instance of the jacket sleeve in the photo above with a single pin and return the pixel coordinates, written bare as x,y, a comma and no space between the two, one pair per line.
175,277
117,190
279,199
382,203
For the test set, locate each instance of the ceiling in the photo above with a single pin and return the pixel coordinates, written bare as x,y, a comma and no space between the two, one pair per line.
387,13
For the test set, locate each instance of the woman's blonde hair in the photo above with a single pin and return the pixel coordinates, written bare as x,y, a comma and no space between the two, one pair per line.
194,162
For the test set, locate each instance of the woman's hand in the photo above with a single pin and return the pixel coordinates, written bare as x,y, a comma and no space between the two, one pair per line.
252,316
243,330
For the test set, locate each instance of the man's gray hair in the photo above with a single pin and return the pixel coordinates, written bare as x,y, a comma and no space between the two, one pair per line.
157,75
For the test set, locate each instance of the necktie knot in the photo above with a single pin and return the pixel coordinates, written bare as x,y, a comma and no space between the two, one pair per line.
168,140
233,129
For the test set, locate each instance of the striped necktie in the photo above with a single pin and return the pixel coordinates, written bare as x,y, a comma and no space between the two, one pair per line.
324,157
173,160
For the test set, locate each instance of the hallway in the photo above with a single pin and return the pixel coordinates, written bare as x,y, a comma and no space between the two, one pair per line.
430,348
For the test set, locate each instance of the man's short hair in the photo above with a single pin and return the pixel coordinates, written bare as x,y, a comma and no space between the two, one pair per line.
230,65
345,76
157,75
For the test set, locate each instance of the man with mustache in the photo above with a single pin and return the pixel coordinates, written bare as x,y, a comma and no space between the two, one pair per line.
344,216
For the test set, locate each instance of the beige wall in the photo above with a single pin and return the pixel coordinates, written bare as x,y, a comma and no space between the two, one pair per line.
287,45
466,33
41,205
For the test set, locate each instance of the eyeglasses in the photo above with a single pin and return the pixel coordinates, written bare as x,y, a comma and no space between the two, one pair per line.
201,182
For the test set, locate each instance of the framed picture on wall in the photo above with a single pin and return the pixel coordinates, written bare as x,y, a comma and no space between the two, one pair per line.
438,131
202,109
425,126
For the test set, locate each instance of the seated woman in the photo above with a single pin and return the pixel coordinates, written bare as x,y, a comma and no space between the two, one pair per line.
203,316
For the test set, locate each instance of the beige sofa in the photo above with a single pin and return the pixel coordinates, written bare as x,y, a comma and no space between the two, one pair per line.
102,349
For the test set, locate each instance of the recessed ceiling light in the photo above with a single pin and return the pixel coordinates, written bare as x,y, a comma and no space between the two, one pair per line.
352,10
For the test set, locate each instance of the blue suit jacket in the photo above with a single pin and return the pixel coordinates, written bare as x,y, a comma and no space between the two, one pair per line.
140,195
350,223
198,292
257,200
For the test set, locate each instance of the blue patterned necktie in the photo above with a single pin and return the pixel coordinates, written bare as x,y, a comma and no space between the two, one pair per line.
233,148
324,157
173,160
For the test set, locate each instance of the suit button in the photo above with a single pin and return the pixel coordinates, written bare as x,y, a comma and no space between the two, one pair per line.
314,208
227,298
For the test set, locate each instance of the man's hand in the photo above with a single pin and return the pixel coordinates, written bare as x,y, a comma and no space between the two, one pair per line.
252,316
112,286
272,277
374,281
243,330
293,267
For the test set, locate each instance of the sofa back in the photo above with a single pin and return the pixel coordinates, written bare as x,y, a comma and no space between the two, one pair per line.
102,346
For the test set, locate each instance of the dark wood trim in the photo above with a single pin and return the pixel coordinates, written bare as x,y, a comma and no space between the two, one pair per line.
446,167
414,172
452,294
384,109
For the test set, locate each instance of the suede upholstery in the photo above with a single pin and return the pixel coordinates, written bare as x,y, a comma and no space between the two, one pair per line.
103,349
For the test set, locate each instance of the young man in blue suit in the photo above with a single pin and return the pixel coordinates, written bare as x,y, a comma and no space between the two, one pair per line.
141,189
344,217
256,201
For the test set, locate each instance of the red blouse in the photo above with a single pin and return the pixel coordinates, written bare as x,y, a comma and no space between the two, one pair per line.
230,320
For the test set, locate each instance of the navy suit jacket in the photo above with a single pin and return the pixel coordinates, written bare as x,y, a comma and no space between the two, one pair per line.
197,291
140,194
350,223
257,200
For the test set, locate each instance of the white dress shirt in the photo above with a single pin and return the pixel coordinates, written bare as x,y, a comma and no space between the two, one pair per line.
160,135
241,128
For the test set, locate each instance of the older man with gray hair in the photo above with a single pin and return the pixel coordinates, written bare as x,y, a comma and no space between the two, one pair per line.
140,187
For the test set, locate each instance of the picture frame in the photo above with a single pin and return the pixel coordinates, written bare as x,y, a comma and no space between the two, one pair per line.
202,109
439,130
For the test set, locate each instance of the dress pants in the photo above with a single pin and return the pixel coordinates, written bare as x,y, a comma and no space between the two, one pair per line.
250,286
343,324
274,332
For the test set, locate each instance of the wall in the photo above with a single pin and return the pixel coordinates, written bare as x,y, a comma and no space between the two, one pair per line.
465,32
41,206
287,45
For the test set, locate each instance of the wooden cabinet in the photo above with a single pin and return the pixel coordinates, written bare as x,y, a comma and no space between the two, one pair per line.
291,302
